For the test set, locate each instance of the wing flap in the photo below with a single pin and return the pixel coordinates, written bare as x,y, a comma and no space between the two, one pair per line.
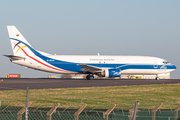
91,69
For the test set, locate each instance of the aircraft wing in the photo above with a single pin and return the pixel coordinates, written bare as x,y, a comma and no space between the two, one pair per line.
13,57
91,69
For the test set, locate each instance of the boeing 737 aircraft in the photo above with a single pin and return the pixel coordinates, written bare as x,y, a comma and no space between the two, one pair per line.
101,65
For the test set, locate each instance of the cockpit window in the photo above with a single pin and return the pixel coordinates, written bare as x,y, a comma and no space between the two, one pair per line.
165,62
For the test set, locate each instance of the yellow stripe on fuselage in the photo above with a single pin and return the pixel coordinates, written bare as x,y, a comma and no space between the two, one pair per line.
21,48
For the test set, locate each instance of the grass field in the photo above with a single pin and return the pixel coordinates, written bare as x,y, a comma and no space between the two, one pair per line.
100,97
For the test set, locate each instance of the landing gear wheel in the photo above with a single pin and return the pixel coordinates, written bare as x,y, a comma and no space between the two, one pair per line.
157,78
92,77
89,77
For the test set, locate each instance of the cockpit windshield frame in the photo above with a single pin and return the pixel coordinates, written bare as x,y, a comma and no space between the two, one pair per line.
166,62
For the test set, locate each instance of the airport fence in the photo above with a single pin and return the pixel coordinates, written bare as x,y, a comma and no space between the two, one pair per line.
54,109
41,113
9,112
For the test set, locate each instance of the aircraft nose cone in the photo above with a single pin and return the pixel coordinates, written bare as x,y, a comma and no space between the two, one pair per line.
174,67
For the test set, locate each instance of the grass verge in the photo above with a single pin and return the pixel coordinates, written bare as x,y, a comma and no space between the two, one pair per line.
98,97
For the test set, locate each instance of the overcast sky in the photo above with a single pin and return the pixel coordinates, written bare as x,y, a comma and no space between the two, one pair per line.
81,27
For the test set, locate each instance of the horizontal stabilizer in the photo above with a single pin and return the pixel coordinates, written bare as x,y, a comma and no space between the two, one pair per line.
13,57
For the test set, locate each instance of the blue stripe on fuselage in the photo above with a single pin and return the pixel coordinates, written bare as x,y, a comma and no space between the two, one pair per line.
75,67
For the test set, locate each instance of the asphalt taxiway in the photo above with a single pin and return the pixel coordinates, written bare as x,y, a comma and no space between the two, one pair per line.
46,83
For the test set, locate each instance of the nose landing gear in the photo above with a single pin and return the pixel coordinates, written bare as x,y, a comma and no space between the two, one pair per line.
157,78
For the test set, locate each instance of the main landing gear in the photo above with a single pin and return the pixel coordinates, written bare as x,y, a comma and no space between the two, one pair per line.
90,77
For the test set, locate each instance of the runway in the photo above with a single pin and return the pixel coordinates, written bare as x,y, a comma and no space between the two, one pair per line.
46,83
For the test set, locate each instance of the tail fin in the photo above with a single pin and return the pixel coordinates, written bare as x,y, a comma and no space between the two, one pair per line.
20,45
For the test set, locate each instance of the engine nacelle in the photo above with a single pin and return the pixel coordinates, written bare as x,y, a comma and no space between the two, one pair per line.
112,73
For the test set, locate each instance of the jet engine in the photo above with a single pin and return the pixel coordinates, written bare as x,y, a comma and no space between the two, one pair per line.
110,73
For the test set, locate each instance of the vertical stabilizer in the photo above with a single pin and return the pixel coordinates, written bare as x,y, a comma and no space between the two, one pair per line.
20,45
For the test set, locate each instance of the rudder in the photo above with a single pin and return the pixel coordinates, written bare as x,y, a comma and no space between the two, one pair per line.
20,45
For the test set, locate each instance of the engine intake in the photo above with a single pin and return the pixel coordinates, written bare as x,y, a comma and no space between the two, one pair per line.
110,73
